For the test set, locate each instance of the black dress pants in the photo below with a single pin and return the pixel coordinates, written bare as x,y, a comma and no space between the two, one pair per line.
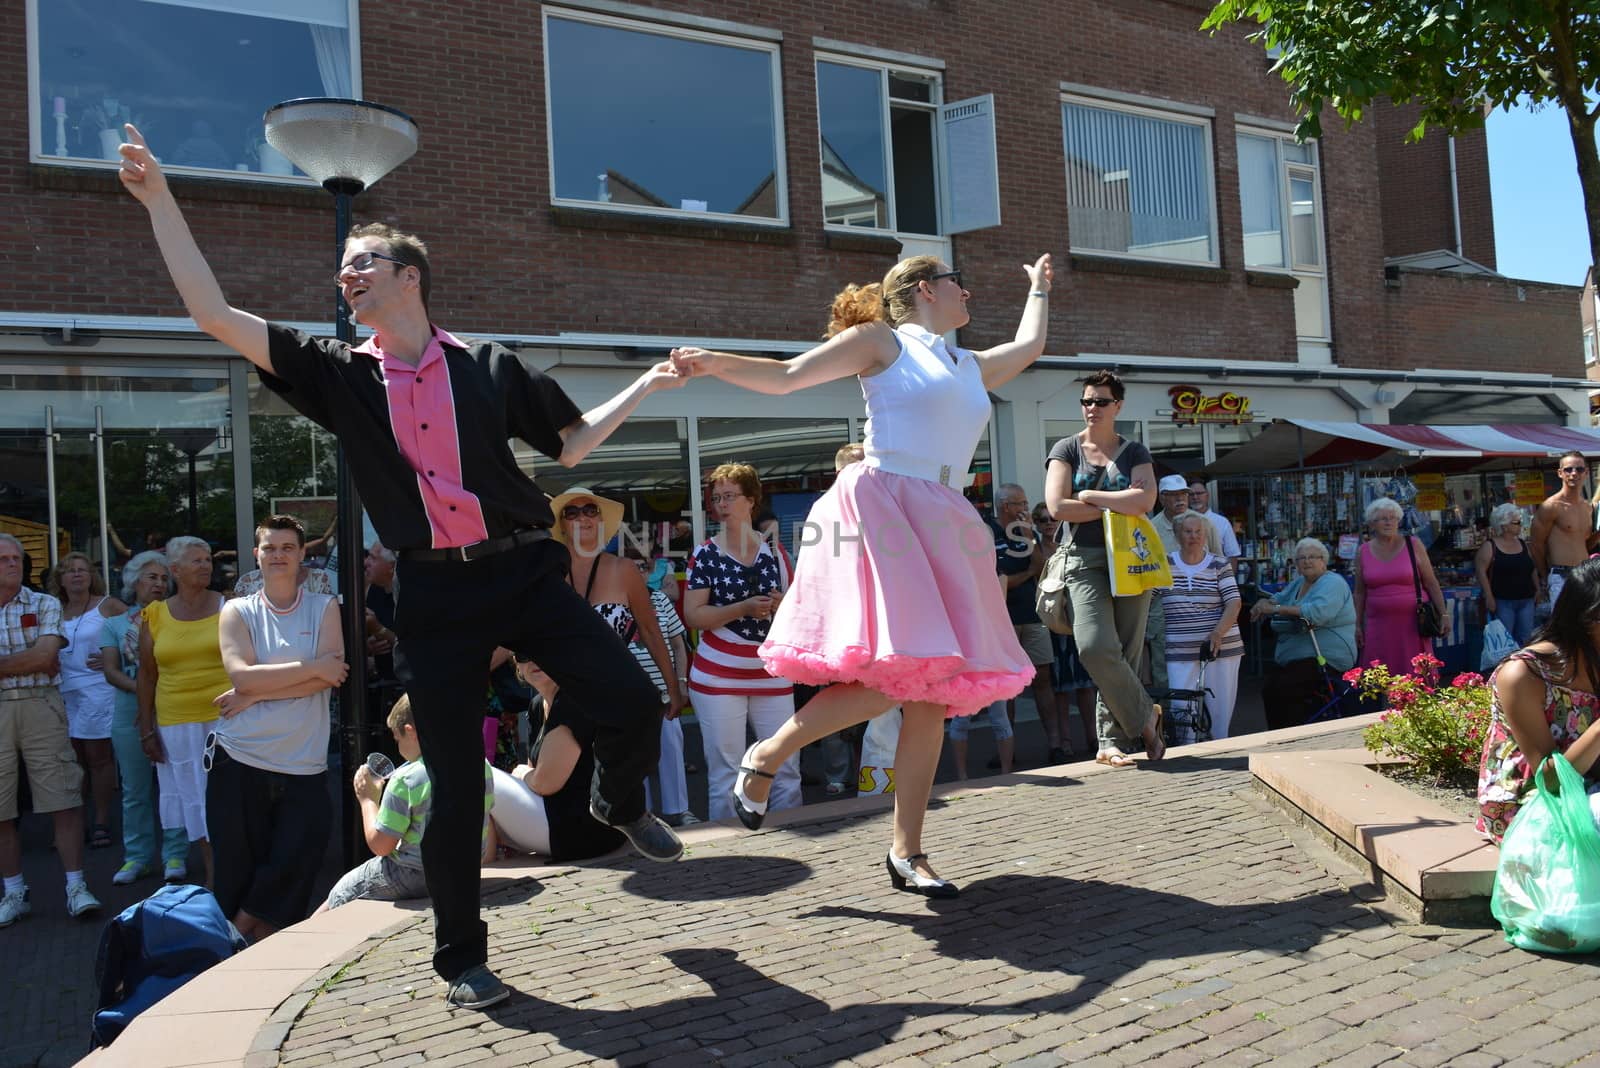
449,617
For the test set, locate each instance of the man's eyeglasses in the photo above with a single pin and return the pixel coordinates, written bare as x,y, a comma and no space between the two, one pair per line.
947,274
362,261
573,511
725,498
1573,470
1099,402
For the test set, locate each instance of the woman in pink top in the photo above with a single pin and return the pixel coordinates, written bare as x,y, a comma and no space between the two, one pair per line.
1386,592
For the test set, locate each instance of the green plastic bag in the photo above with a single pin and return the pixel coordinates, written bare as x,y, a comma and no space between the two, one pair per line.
1547,887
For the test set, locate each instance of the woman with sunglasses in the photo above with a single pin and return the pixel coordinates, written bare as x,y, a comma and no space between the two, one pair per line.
180,674
897,603
1090,473
1506,574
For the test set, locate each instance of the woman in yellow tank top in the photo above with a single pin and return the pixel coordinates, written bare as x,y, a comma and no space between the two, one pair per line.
180,674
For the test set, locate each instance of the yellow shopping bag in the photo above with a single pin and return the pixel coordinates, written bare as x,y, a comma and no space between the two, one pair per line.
1134,551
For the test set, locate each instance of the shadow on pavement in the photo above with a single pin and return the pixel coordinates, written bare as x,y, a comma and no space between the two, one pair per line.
716,878
1093,928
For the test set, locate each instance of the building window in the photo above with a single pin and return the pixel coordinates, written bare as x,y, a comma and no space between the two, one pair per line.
647,118
1280,200
1589,353
1139,182
879,146
194,75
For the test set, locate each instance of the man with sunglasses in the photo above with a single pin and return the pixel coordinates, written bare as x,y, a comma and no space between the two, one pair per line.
1563,526
424,421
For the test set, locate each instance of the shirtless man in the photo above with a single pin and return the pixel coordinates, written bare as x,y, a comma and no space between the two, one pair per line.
1563,527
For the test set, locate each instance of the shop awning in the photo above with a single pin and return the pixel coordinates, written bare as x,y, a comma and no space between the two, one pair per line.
1287,443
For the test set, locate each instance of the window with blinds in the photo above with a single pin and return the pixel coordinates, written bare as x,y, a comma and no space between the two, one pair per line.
1139,183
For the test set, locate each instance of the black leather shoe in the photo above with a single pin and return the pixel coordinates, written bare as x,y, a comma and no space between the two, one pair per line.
477,988
652,838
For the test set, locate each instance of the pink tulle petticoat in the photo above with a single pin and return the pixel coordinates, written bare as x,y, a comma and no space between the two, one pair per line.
895,588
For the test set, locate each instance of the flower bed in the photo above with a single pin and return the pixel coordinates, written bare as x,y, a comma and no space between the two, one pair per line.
1440,729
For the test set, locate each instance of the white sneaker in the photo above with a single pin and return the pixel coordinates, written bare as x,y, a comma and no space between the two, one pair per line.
14,906
176,871
79,901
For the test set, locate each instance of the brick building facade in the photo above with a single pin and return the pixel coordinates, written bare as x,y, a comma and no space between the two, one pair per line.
1194,243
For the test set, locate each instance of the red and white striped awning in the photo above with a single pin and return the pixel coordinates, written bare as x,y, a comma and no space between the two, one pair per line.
1317,443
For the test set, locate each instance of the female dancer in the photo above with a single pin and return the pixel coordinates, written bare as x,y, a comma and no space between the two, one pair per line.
898,602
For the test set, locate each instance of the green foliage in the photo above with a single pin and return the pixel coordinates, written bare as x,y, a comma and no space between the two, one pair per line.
1440,728
1455,58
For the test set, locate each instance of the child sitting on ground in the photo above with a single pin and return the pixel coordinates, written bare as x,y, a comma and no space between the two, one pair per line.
394,816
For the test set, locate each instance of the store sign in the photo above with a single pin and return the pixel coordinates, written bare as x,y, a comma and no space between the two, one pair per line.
1529,488
1430,493
1190,405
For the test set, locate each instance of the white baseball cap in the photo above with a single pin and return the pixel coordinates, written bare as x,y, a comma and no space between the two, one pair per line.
1173,484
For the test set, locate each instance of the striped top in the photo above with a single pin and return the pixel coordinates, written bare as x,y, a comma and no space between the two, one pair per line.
671,627
1195,603
725,661
407,800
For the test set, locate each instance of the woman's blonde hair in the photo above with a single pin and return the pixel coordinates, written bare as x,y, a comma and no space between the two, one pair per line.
97,581
893,299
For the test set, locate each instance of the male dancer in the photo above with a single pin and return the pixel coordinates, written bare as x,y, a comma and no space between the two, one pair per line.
424,420
1563,526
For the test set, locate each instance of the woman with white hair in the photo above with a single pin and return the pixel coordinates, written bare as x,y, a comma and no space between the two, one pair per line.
1389,569
1318,598
1202,610
180,674
1506,574
144,581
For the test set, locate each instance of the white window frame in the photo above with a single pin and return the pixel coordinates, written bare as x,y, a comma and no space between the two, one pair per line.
780,162
36,152
1177,116
885,70
1286,169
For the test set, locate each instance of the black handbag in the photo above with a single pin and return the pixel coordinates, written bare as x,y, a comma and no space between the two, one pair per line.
1429,625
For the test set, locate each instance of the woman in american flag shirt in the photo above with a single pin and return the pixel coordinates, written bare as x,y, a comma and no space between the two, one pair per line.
736,580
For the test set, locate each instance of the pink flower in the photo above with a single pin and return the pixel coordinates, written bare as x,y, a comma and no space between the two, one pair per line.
1352,676
1467,678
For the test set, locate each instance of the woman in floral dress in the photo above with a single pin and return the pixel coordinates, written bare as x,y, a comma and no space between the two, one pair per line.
1546,698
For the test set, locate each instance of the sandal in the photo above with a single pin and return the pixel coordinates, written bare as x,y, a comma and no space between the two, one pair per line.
1157,749
1114,758
99,836
750,813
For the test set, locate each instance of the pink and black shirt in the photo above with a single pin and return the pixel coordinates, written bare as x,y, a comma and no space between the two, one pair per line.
428,446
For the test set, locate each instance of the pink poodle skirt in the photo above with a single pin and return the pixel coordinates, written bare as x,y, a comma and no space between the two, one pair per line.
895,589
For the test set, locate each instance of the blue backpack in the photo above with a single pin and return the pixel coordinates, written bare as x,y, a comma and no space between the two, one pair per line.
151,949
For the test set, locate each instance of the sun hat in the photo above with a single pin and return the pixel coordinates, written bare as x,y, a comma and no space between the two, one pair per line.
611,513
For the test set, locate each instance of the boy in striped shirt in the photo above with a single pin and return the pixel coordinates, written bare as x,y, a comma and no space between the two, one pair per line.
394,815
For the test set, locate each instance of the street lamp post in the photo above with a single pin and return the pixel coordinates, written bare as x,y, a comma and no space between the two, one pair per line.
347,145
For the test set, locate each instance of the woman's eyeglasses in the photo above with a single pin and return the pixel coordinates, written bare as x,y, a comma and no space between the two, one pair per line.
573,511
948,274
1098,402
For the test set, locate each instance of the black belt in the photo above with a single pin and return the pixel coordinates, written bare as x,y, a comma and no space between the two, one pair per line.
478,549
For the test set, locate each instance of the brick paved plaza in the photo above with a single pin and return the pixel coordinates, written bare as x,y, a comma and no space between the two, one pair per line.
1150,916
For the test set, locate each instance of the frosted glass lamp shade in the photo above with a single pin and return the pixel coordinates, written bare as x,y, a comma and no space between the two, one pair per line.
341,141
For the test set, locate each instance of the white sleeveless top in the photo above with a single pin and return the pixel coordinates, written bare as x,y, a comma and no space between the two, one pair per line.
288,735
926,412
83,638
